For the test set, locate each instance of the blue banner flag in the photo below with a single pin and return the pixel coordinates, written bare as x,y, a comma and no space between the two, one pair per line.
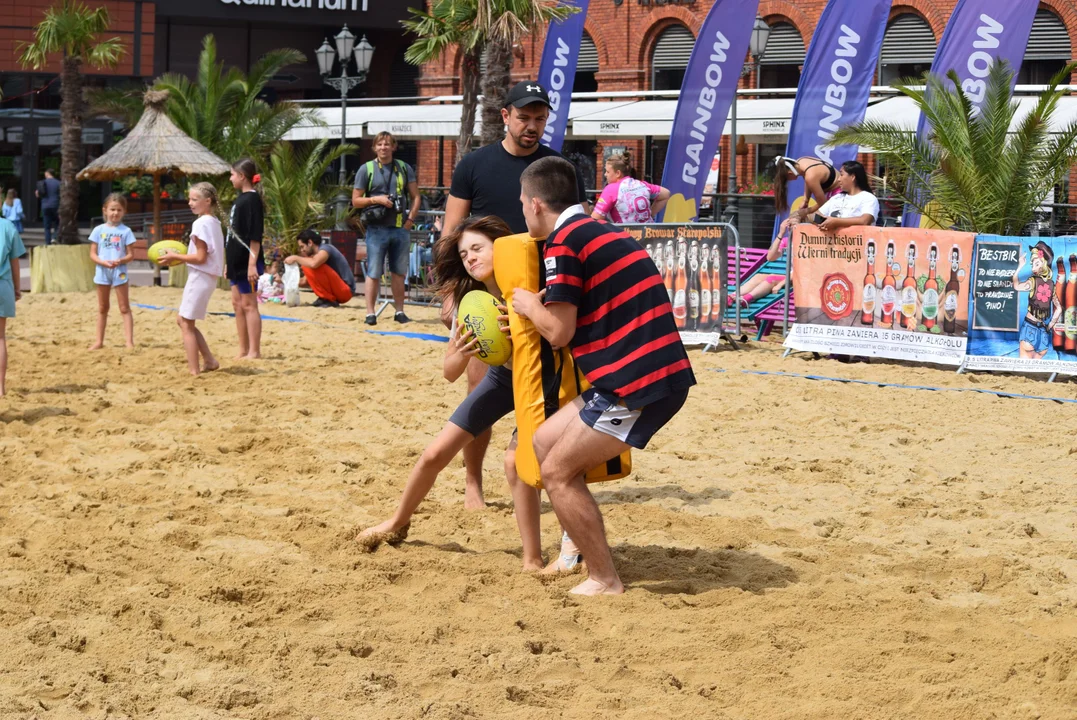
557,71
979,33
710,81
835,85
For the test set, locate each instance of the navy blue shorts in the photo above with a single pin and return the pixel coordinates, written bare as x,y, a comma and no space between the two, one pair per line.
490,401
604,412
243,283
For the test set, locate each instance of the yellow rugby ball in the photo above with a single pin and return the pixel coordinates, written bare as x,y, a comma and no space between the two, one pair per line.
478,313
160,248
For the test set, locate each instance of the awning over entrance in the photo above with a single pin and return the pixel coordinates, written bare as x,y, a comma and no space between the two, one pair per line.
758,120
412,121
902,111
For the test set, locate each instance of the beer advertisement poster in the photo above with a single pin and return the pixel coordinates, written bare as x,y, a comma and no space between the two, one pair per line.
1024,305
693,261
898,293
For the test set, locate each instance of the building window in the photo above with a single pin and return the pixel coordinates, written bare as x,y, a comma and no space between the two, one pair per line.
586,66
783,57
670,57
403,76
1047,52
908,49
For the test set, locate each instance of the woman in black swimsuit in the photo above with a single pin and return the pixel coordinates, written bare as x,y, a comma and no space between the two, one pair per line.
820,177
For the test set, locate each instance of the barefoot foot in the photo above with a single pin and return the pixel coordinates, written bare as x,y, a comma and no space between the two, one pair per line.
535,565
369,539
591,587
253,356
564,564
96,346
211,367
473,499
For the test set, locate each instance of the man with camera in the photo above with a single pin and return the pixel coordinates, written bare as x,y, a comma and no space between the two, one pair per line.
382,189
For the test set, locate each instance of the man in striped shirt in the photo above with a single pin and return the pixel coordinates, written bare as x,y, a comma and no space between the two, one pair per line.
604,298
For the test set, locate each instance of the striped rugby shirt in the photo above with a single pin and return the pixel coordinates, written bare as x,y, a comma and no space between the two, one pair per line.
626,342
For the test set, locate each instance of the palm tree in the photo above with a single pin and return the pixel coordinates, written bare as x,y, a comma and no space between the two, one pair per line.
222,109
71,29
969,171
504,23
297,188
475,27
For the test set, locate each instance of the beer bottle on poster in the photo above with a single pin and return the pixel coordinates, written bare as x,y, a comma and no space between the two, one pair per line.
680,287
656,258
693,286
1058,337
908,290
888,295
704,285
951,293
717,283
867,304
669,270
1070,344
930,303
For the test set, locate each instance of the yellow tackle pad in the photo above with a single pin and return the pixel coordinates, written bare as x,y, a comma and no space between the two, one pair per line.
543,379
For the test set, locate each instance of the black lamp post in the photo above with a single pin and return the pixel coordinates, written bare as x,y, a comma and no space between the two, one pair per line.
364,51
757,46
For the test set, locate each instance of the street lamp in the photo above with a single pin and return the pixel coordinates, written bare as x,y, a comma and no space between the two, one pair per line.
757,47
326,55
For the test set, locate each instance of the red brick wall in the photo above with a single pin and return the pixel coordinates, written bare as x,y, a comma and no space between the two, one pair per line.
22,15
625,35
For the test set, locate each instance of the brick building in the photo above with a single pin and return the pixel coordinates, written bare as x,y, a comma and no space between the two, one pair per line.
644,45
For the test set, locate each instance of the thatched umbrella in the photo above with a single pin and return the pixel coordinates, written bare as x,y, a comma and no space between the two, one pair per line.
155,146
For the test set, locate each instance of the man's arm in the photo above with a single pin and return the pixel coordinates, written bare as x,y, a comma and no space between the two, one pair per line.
416,201
456,211
556,322
313,263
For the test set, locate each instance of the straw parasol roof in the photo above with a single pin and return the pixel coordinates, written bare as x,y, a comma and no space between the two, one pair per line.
155,146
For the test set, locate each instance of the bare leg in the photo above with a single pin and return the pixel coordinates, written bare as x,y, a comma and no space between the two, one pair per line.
102,316
254,325
241,324
372,286
209,362
475,451
566,448
435,458
525,505
123,300
190,343
398,291
3,356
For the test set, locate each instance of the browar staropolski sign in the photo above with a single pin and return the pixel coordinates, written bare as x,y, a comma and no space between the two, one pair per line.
710,81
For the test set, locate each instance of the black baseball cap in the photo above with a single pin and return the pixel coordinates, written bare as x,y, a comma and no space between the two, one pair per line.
527,92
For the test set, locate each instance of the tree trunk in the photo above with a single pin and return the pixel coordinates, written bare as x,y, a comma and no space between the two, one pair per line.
495,87
469,76
70,148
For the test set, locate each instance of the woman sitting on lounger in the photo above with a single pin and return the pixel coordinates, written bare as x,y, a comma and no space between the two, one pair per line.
760,284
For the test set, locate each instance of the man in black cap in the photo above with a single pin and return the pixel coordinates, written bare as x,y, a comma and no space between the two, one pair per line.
487,182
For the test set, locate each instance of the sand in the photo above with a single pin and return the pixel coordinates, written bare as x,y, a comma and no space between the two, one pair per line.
178,548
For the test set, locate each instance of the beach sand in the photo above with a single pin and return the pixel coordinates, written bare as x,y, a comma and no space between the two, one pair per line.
180,548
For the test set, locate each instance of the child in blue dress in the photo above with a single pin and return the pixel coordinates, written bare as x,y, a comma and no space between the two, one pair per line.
11,249
110,249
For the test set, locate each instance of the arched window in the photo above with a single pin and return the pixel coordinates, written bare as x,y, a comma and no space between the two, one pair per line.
783,57
1047,52
586,66
908,49
670,57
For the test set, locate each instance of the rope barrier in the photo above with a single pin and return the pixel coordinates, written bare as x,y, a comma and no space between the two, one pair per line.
996,393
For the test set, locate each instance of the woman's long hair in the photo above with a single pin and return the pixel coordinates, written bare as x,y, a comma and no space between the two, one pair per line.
11,195
451,279
860,175
782,165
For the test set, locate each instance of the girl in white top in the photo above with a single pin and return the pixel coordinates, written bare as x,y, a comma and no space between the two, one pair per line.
205,263
855,205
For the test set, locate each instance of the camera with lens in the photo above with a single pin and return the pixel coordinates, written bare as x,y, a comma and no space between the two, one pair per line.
381,215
